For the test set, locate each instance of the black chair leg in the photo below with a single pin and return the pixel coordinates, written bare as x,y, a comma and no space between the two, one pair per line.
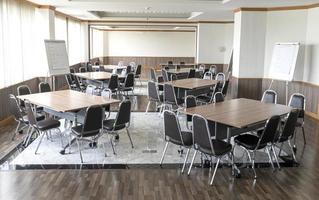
304,136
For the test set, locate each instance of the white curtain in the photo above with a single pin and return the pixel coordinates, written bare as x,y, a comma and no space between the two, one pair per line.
76,42
21,43
96,43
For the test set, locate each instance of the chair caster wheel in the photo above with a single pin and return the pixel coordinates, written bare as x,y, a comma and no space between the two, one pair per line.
62,152
21,132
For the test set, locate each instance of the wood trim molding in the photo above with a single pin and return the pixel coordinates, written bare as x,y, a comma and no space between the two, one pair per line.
312,115
7,121
159,22
303,7
68,16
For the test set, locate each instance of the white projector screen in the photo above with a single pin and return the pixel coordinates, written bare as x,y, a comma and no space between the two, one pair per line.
283,61
57,57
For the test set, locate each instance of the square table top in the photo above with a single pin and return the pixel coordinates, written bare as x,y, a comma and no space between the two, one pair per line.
191,83
66,100
98,76
238,113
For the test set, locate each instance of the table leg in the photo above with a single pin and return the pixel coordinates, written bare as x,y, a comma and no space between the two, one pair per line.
235,168
73,139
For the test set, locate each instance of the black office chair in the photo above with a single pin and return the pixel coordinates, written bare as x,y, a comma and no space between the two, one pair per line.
107,93
43,127
20,117
23,90
225,88
192,73
72,70
269,96
82,69
153,96
288,133
122,121
204,143
182,63
174,134
220,77
90,130
71,84
190,101
170,62
298,101
208,75
101,68
89,67
113,84
251,143
165,75
128,84
128,69
78,85
173,77
170,98
218,97
44,87
138,73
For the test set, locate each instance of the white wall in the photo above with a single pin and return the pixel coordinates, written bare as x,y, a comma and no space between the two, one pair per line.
152,44
311,71
286,26
249,44
214,42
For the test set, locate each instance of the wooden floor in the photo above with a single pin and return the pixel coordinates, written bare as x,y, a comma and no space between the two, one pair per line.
289,183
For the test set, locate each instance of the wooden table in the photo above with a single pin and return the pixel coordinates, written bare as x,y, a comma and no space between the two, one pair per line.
238,114
97,76
66,103
191,83
66,100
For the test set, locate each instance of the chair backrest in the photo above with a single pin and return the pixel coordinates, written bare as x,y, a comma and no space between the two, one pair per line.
153,75
124,114
270,130
269,96
23,90
191,73
220,77
72,70
101,68
14,107
30,114
170,62
90,89
69,80
82,69
128,69
132,64
201,134
298,101
169,94
208,76
89,67
44,87
172,128
77,83
182,63
290,124
93,120
129,80
212,69
113,83
218,97
165,75
106,93
152,91
173,77
138,70
219,86
190,101
202,67
225,88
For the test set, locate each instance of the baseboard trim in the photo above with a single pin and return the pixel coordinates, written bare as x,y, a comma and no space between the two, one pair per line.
313,115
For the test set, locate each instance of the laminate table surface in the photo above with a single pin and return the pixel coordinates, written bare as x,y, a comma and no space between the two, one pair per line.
238,113
66,100
97,76
191,83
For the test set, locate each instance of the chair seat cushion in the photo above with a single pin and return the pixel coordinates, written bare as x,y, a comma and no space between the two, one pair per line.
109,125
38,118
187,139
248,141
77,130
204,98
47,124
220,148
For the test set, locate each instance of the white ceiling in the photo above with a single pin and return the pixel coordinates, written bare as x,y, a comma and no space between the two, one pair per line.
212,10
